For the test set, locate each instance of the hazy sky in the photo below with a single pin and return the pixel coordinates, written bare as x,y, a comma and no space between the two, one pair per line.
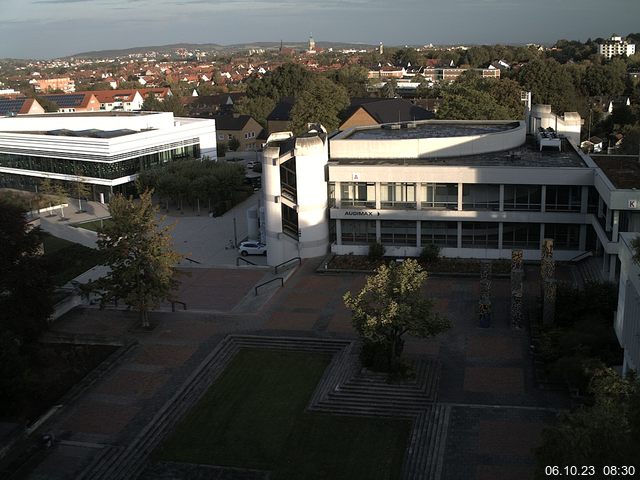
52,28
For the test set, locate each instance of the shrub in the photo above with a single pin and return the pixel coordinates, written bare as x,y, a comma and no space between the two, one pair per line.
430,253
376,251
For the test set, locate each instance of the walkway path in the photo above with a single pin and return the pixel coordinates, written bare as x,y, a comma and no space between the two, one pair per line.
487,417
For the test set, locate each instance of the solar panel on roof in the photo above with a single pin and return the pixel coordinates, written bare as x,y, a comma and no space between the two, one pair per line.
11,106
66,101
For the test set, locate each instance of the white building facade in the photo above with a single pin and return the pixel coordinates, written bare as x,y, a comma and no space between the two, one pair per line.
616,46
105,150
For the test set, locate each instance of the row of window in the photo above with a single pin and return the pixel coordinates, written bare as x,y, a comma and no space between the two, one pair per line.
562,198
473,234
107,170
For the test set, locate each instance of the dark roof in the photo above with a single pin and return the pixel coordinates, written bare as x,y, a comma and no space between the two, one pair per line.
66,100
622,170
391,110
91,133
12,106
282,110
231,122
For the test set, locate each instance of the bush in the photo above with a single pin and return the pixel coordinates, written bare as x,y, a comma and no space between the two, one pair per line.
430,253
376,251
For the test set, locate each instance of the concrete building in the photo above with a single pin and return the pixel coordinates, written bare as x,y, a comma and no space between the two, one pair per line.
66,84
241,127
476,189
106,150
616,46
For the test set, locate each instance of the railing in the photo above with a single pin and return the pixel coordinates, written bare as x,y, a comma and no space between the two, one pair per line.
244,260
267,283
192,260
581,256
275,270
173,305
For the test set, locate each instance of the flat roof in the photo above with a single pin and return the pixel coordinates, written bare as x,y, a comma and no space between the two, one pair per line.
622,170
526,155
439,129
111,113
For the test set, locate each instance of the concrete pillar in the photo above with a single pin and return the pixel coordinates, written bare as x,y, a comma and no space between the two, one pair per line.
338,232
608,221
377,188
459,233
338,194
418,233
501,207
460,187
584,200
543,202
378,232
615,225
612,267
500,227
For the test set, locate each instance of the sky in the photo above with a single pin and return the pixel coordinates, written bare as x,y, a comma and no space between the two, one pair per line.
56,28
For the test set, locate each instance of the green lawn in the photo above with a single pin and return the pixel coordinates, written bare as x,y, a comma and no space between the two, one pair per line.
94,225
253,417
66,260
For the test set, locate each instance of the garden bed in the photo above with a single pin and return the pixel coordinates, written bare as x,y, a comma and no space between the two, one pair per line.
443,266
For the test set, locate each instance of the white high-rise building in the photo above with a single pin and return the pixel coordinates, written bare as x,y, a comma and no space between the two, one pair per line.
616,46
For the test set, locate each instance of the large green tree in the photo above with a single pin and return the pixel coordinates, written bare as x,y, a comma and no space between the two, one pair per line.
320,101
258,108
550,83
139,254
391,304
25,287
606,433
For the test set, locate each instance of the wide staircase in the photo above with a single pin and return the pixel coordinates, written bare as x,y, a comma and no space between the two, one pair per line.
345,389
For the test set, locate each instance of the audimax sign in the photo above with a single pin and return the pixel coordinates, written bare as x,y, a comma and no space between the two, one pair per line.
361,213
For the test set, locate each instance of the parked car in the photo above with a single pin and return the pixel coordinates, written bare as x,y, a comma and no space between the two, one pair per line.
252,248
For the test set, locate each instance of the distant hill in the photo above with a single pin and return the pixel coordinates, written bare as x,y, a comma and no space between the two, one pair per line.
208,47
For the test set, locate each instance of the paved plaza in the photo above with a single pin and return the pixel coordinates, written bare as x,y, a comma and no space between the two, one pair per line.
494,412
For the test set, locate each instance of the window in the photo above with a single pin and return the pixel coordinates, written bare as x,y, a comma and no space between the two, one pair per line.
398,232
522,197
221,136
439,195
480,197
361,195
398,195
358,232
563,198
565,237
289,221
443,234
521,235
479,235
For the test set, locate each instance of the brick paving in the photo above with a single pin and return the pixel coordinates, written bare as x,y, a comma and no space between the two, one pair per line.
485,378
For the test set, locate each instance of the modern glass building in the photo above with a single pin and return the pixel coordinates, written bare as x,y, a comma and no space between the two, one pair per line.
106,150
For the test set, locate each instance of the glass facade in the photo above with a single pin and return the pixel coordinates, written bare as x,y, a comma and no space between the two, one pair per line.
523,197
439,195
479,235
288,180
398,232
565,237
361,195
443,234
109,170
563,198
398,195
480,197
521,235
358,232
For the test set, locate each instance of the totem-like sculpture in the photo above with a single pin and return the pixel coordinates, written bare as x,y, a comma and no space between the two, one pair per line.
484,306
549,286
517,288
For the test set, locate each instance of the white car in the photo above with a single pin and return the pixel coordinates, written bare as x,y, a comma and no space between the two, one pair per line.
252,248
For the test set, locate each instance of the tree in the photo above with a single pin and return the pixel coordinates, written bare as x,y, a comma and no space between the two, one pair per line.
462,101
26,290
55,191
550,83
258,108
354,78
607,433
392,304
320,102
234,144
81,189
139,254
